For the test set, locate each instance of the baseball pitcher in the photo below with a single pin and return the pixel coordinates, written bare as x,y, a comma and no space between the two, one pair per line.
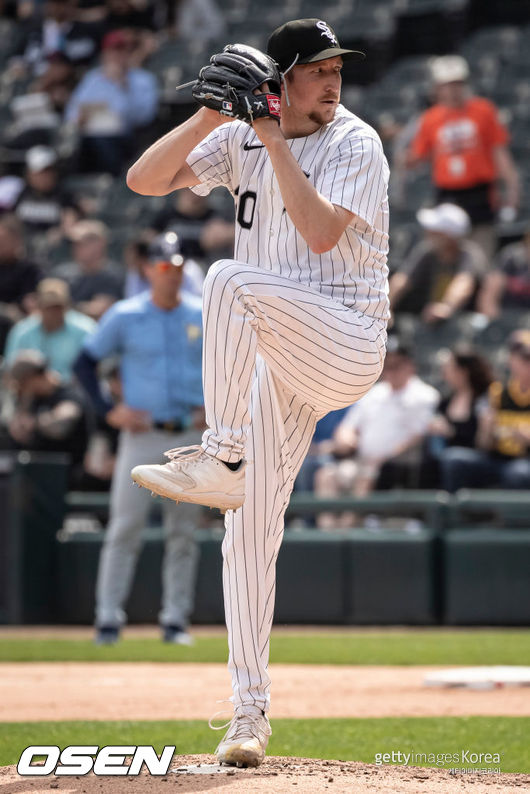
294,324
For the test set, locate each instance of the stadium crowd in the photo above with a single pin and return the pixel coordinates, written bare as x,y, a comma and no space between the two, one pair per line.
82,95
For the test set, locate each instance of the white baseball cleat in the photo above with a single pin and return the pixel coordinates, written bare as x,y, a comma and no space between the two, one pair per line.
192,475
245,741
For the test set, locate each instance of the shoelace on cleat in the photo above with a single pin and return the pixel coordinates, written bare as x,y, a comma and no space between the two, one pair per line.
243,725
183,455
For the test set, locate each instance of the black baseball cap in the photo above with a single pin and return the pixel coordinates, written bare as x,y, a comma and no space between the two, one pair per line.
309,39
166,248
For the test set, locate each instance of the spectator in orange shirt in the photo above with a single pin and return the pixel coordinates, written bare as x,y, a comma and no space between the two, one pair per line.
466,143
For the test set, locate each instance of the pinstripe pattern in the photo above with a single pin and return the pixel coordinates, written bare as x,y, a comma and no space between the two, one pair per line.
280,434
288,336
345,162
278,356
325,353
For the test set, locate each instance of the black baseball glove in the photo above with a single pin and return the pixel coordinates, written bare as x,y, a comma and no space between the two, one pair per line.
229,81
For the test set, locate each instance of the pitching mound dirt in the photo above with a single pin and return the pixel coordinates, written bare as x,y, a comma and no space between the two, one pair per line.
276,776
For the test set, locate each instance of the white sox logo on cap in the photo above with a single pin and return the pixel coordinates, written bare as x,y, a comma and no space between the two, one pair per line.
305,41
326,31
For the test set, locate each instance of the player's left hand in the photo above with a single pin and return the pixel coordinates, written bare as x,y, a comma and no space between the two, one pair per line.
232,84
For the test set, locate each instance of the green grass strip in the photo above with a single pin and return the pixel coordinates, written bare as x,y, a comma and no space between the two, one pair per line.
429,646
342,739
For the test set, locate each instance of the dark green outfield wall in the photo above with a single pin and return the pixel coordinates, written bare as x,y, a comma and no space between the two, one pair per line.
456,576
346,577
466,577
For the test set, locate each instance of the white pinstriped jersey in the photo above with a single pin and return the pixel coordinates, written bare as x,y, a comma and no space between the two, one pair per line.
345,162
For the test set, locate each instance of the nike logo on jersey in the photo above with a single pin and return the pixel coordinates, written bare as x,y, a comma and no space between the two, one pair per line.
248,146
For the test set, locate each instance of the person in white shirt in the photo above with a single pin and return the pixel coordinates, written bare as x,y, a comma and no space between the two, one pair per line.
387,425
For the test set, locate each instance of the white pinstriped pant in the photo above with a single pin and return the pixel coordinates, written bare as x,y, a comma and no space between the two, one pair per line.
277,356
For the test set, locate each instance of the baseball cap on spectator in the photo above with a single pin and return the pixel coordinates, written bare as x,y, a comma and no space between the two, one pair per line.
26,364
166,248
445,218
53,292
38,158
519,342
449,69
305,41
84,230
116,40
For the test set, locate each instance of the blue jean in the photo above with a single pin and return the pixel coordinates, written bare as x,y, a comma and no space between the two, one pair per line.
462,467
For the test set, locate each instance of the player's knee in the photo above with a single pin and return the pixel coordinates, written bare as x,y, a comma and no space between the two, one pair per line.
221,273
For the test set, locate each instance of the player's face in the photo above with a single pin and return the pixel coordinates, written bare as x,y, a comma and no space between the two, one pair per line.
314,90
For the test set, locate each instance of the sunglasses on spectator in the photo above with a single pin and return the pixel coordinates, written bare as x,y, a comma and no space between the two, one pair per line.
163,267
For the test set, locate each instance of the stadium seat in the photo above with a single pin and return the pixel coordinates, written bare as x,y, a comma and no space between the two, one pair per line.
8,39
428,506
495,333
490,507
170,53
500,41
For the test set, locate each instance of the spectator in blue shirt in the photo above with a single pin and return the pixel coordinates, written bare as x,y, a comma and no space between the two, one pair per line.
110,103
55,330
158,335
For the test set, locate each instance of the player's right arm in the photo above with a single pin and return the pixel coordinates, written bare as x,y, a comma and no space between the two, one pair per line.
162,168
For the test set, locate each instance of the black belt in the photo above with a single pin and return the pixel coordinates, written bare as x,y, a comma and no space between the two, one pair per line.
169,427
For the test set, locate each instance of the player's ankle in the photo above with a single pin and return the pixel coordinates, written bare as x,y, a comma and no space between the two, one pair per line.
250,711
233,466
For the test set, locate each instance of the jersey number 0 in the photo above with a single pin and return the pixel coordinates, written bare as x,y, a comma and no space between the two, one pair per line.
245,209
